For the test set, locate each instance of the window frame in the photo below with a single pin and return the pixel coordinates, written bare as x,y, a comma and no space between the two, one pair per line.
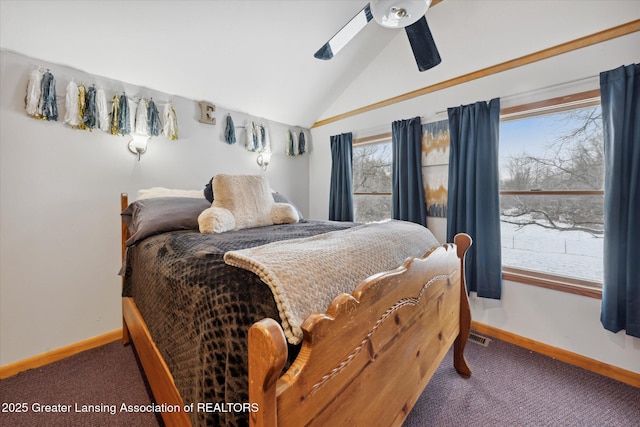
382,138
572,285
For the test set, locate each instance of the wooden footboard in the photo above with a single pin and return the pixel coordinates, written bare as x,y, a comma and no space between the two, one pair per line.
368,358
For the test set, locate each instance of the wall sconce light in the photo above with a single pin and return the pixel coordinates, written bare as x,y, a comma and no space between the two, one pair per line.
264,158
138,144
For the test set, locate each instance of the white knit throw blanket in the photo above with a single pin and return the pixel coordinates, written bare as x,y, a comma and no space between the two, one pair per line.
306,274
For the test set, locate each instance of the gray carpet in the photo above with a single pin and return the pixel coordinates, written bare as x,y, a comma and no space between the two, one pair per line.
510,386
107,375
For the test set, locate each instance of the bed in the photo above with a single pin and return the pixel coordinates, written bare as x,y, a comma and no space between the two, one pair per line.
211,341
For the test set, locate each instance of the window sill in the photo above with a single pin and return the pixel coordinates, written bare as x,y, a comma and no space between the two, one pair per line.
557,283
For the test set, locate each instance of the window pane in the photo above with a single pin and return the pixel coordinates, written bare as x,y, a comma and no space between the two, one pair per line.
561,151
561,235
551,234
372,168
370,208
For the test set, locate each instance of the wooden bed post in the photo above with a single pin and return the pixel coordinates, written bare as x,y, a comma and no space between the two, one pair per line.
463,242
124,202
267,356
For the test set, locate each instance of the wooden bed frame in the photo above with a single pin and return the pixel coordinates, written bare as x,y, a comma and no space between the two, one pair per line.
363,362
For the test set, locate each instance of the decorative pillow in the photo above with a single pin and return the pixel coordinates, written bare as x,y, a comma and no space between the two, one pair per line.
216,220
284,213
149,193
247,197
277,197
208,191
157,215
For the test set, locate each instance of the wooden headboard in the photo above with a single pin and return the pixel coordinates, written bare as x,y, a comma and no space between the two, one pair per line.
124,202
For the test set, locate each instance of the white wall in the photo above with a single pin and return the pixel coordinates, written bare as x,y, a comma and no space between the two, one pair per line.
59,201
559,319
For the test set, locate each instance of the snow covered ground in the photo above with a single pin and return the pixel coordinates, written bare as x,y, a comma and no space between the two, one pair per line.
566,253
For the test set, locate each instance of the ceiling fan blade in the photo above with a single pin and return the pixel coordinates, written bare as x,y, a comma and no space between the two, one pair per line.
346,33
423,46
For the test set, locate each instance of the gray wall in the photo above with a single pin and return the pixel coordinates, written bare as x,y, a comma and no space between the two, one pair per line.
59,200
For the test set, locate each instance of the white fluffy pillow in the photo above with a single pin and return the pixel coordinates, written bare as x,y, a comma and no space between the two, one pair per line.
152,192
247,197
216,220
284,213
243,201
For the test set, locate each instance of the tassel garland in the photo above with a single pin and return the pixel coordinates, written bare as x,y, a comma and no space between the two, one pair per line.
34,92
71,104
296,143
89,117
49,106
153,119
133,108
302,144
102,111
251,142
82,104
142,125
170,122
230,131
265,143
88,108
289,150
291,143
115,103
124,123
254,136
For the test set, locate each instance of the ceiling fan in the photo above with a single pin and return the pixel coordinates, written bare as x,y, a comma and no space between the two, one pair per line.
407,14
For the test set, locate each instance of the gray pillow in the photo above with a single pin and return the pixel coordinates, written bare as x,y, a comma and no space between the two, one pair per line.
281,198
148,217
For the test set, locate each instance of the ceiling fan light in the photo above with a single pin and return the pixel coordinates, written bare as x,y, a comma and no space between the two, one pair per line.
398,13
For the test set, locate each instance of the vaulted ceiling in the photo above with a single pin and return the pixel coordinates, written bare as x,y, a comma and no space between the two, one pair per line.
251,56
256,57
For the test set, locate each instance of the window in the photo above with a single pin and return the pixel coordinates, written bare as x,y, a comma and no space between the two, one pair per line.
551,193
372,179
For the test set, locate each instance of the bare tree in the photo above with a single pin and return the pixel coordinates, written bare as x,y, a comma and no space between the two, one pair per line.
372,168
573,161
372,174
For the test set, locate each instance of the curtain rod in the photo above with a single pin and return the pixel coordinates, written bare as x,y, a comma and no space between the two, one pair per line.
538,90
562,103
377,130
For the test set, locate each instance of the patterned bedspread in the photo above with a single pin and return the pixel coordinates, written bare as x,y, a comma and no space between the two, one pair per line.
199,310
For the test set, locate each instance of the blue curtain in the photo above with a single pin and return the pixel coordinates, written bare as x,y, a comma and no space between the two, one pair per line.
620,97
341,194
474,199
407,193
